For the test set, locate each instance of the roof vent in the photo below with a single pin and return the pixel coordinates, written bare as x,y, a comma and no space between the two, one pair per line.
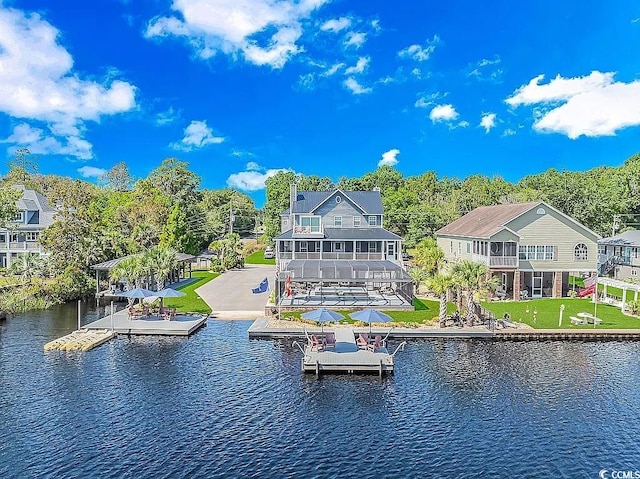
540,211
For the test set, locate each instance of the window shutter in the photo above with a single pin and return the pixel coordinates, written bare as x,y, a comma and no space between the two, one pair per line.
555,253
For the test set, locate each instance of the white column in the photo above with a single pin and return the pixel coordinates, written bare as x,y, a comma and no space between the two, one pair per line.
624,297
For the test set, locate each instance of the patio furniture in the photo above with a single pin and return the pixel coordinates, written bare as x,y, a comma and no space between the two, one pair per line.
330,341
524,294
315,343
363,341
577,321
376,344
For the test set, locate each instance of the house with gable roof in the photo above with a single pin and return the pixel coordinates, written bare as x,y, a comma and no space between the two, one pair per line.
21,236
532,247
334,251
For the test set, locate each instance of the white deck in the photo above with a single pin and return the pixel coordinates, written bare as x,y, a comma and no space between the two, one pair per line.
182,325
346,357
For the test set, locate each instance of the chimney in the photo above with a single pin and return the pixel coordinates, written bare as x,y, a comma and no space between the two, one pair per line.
293,196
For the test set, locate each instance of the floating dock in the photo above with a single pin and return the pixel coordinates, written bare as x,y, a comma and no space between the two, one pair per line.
346,357
81,340
121,323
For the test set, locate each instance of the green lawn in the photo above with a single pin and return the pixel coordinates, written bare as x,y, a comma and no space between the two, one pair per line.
426,310
258,258
192,303
548,313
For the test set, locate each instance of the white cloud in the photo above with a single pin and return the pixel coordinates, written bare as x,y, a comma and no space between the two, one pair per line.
168,116
509,132
420,53
336,25
389,158
355,87
443,113
333,70
360,66
197,135
39,143
488,121
464,124
355,39
253,179
593,105
91,171
233,27
635,20
37,83
426,101
486,70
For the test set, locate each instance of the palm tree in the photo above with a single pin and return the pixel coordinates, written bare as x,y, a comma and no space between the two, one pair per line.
164,262
126,269
418,275
440,285
474,278
26,265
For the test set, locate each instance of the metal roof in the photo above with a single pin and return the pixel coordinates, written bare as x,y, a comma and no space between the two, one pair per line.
628,238
307,201
112,263
357,234
348,271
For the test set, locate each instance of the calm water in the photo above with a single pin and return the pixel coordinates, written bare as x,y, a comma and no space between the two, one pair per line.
219,405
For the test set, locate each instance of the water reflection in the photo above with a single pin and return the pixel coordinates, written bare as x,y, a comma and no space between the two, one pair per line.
219,405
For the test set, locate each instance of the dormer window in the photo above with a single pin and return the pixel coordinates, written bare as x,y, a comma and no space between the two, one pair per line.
19,217
373,221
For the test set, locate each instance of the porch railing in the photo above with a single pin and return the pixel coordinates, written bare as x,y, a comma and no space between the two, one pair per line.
503,261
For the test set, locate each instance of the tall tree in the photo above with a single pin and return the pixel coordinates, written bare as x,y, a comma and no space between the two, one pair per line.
118,178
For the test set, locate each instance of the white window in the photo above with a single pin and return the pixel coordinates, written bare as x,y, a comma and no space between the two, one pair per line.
338,246
309,224
580,252
468,247
304,247
548,253
3,238
373,247
19,217
356,221
634,272
602,249
32,236
13,237
337,221
285,222
536,253
338,199
372,221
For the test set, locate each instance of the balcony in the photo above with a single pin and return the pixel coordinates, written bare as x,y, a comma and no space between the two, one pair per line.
20,246
369,256
503,261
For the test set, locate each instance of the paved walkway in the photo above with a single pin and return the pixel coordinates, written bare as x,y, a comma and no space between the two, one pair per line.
230,297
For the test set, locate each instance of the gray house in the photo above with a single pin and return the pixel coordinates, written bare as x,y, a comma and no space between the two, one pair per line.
619,256
532,247
334,251
21,237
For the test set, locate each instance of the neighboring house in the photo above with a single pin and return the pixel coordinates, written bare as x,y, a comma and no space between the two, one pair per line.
532,247
21,236
619,256
335,249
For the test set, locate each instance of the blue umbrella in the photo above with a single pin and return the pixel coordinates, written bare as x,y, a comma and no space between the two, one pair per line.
371,316
168,293
138,293
322,316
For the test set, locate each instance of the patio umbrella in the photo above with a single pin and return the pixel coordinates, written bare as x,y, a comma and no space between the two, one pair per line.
371,316
168,293
138,293
322,316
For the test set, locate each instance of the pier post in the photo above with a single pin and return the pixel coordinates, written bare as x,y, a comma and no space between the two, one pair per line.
112,316
79,317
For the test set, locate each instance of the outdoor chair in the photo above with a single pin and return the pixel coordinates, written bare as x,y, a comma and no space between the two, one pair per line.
330,340
315,343
363,341
376,344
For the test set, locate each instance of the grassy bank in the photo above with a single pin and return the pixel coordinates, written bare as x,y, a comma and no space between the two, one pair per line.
258,258
547,313
425,311
192,303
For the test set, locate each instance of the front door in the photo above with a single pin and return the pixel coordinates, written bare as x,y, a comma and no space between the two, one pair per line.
391,251
536,288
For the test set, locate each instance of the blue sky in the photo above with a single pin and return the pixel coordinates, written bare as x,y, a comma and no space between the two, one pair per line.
243,88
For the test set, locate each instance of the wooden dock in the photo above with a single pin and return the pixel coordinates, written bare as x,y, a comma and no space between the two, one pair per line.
81,340
346,357
182,325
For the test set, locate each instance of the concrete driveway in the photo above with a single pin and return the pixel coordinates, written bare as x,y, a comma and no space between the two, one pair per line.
230,296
